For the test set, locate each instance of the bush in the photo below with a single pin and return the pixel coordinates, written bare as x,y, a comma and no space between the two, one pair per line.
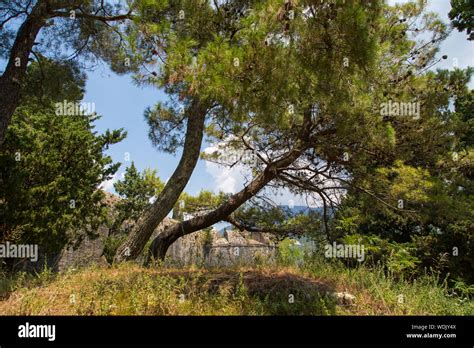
399,259
289,253
111,245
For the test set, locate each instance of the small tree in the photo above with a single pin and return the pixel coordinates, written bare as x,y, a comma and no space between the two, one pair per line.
136,190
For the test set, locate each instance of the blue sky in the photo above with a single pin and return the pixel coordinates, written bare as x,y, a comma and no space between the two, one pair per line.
121,104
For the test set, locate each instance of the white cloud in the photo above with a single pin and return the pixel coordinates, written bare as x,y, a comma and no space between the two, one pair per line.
232,180
228,180
108,185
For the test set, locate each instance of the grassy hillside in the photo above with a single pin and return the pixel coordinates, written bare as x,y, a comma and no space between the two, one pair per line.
129,289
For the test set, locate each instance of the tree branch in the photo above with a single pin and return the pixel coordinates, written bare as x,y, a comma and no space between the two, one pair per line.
104,19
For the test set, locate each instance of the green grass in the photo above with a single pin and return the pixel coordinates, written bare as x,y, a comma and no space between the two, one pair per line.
129,289
381,293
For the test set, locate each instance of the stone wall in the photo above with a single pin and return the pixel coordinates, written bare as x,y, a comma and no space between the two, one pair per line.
86,250
89,250
233,248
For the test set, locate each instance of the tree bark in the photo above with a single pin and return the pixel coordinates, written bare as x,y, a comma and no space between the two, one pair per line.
161,243
15,71
304,140
152,217
242,226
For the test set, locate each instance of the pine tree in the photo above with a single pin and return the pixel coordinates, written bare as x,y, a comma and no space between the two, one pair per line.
136,190
52,164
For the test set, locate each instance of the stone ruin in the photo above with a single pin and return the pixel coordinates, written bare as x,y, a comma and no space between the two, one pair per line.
212,249
199,248
86,250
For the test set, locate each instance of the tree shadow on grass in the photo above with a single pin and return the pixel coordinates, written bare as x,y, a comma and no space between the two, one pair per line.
264,292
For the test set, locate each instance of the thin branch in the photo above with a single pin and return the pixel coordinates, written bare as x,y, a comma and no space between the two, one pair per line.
92,16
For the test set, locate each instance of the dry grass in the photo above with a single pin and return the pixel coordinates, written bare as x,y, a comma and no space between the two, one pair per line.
129,289
132,290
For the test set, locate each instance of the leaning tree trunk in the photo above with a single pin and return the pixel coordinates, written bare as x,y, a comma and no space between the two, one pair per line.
151,218
305,140
161,243
15,71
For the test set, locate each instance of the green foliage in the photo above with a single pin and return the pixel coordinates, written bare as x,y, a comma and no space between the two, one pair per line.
11,282
280,221
250,64
462,16
49,81
203,202
289,253
422,192
464,109
463,290
51,166
112,243
64,39
399,259
246,61
391,136
136,189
